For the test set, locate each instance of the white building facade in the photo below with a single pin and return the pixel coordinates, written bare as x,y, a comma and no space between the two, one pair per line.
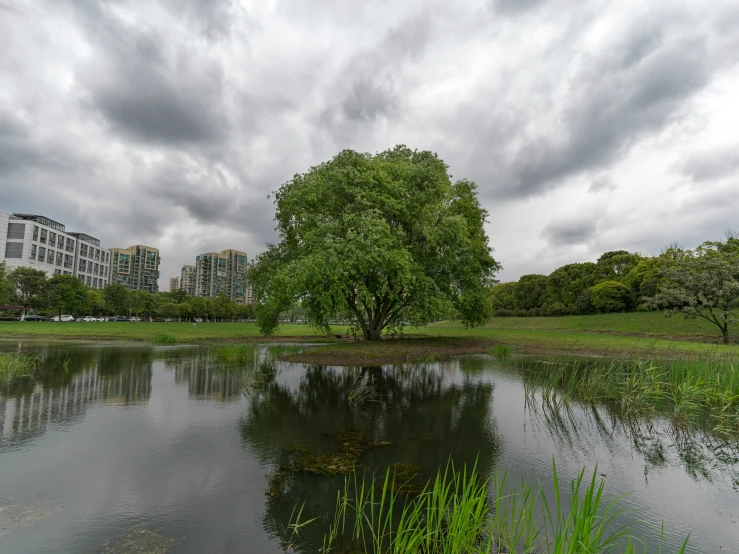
36,241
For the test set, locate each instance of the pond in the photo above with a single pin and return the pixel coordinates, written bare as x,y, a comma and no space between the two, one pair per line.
129,448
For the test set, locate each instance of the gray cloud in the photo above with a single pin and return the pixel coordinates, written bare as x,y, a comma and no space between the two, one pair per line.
515,6
602,183
712,164
169,122
568,232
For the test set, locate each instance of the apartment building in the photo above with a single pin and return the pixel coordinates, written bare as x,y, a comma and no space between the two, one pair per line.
28,240
221,272
135,267
187,279
174,284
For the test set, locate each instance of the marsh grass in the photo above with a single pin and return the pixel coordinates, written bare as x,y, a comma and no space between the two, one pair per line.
500,351
702,390
363,392
242,354
163,338
455,514
14,365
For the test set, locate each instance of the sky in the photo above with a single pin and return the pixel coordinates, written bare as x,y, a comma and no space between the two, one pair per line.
588,125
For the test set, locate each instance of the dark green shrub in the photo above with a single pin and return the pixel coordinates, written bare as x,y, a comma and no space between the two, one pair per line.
610,296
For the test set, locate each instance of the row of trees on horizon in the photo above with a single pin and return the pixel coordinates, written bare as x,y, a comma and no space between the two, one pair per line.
65,294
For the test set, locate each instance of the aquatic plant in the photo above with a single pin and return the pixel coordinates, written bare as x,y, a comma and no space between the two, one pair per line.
363,391
163,338
454,514
243,353
14,365
687,390
501,351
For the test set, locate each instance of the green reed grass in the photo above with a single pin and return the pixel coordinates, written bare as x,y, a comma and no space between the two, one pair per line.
242,354
690,391
363,391
163,338
455,515
14,365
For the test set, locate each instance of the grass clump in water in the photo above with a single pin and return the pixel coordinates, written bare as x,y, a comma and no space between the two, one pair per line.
454,514
241,354
363,391
690,391
14,365
134,540
501,351
163,338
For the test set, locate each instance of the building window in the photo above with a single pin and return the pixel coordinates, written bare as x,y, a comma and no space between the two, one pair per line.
60,242
97,255
13,249
16,230
92,253
59,258
35,232
49,256
52,238
33,251
89,280
68,261
83,250
44,234
67,273
41,253
57,272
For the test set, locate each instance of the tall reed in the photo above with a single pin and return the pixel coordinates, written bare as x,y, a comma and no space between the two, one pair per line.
699,390
455,515
13,365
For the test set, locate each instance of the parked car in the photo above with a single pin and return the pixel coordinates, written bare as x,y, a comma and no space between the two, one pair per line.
88,318
65,317
121,318
31,317
134,318
100,319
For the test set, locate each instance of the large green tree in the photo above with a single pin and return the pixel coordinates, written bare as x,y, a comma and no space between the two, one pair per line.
386,238
30,286
6,285
116,297
67,294
704,284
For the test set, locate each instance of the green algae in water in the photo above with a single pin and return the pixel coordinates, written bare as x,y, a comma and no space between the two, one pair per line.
136,540
19,514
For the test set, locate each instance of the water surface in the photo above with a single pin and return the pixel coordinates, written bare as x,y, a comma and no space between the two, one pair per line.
161,440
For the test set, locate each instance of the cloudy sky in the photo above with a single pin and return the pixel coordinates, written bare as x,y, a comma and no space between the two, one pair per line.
588,125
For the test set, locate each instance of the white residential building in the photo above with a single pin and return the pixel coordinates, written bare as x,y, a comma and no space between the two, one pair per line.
41,243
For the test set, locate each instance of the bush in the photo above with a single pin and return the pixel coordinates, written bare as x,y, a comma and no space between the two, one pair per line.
502,312
163,338
557,309
536,312
583,303
610,296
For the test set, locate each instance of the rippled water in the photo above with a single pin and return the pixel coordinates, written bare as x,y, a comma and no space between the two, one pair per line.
130,443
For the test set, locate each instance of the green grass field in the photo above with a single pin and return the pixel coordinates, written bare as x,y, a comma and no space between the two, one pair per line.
595,334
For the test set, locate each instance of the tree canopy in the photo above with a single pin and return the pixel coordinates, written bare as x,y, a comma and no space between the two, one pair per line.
385,239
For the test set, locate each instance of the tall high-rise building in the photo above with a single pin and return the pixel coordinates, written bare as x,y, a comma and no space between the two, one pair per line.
135,267
187,279
28,240
221,272
174,284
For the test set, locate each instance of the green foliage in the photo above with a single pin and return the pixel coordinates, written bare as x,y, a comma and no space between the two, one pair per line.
384,239
116,297
704,284
14,365
565,284
610,296
67,294
454,514
616,265
501,351
530,292
31,286
6,285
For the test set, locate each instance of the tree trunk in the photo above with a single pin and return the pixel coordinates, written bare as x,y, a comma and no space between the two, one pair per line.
725,333
372,332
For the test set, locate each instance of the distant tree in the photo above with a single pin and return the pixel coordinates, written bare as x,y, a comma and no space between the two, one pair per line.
566,283
95,302
147,302
502,296
616,265
179,296
705,284
67,294
531,292
116,297
584,303
610,296
6,285
385,237
185,310
30,286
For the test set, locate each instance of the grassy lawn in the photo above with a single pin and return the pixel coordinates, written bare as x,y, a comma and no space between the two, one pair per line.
575,334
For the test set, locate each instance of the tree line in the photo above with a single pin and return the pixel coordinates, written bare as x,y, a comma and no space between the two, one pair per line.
700,283
65,294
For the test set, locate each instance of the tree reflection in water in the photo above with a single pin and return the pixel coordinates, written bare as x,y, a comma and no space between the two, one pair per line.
427,417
